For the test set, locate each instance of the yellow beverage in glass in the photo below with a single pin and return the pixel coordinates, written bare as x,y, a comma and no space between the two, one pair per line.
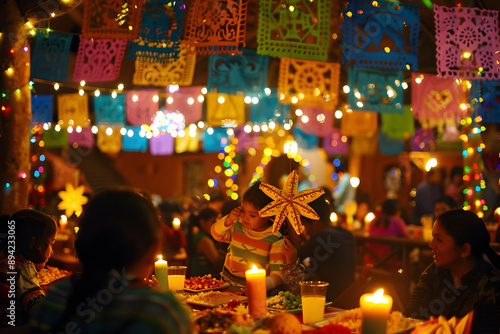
176,282
313,308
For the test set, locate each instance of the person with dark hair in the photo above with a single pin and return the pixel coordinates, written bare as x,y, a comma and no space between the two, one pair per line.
328,252
464,276
26,245
427,194
204,257
445,203
117,244
388,224
252,241
455,186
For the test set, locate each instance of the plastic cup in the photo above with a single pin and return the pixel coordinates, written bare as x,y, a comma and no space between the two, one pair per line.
176,277
313,300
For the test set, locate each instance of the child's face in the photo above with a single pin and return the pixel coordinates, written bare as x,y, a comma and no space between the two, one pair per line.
250,217
48,253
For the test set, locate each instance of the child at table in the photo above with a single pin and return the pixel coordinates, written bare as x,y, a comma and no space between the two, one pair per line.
27,238
252,241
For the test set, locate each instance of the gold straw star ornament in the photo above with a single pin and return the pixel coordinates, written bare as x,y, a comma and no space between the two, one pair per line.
289,203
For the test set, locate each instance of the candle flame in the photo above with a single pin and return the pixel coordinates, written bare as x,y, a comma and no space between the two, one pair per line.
379,293
254,267
160,257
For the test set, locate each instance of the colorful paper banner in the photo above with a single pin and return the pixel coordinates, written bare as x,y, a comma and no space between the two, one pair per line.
303,33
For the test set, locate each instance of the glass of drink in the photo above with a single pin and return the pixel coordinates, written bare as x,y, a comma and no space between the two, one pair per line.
313,300
176,277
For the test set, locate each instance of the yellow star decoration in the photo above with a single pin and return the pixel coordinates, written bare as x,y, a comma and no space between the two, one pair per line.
72,199
289,203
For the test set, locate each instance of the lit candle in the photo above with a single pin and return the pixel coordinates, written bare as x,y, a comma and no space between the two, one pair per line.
176,223
63,222
161,272
256,291
376,309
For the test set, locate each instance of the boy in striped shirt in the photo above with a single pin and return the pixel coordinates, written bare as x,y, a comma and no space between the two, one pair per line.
252,241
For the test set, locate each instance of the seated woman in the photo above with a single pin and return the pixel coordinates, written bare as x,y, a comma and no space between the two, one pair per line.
464,275
117,244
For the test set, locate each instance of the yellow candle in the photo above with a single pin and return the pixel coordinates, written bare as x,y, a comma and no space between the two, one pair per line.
376,309
161,272
256,291
63,222
176,223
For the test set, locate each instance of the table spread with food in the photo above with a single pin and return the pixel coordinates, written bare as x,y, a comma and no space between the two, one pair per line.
218,307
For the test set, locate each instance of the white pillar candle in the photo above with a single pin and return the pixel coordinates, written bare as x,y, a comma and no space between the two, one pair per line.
161,272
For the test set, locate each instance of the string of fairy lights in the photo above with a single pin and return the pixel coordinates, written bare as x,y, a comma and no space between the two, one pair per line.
471,136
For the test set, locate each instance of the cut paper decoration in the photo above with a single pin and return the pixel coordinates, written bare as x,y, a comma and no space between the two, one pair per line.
134,139
467,42
434,98
225,110
73,110
111,19
246,72
364,145
359,123
390,146
50,56
216,26
375,90
188,101
381,34
449,139
162,144
288,203
141,106
186,144
81,136
269,109
336,143
485,95
316,121
159,74
304,141
41,109
245,140
398,126
312,83
161,27
55,139
109,139
212,141
109,109
72,200
303,33
99,59
423,140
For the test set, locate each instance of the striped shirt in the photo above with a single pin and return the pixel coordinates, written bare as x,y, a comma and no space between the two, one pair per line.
247,247
123,306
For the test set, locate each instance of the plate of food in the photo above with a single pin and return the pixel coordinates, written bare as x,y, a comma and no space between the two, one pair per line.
50,274
212,299
285,301
204,283
352,319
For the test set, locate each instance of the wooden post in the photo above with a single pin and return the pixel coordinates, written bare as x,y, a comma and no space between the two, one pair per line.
15,116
